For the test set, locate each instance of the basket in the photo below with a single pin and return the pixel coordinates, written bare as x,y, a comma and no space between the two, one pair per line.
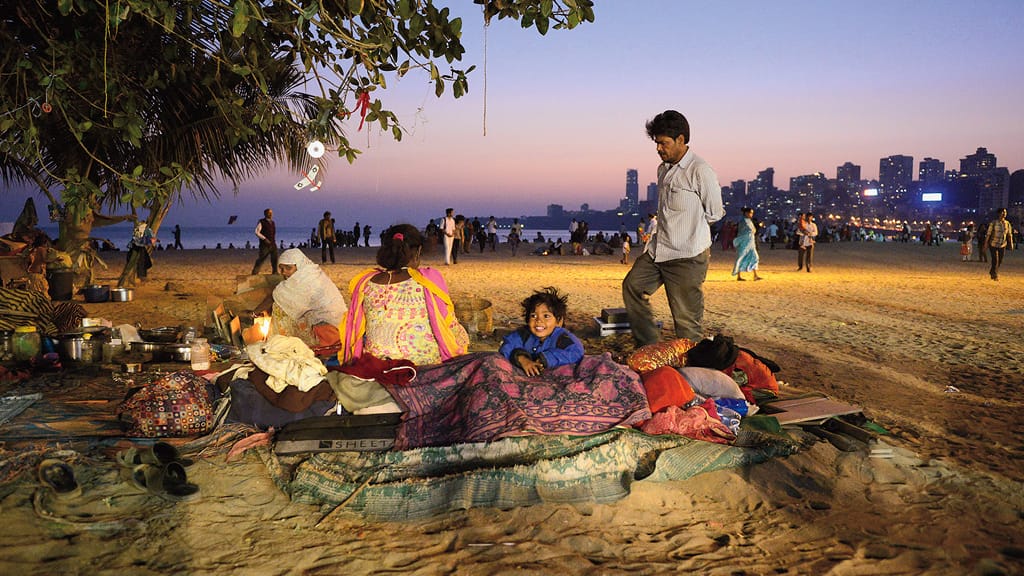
474,314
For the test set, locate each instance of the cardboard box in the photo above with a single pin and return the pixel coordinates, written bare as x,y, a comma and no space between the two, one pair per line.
614,315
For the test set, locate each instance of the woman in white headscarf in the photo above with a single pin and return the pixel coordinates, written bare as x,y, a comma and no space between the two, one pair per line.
306,304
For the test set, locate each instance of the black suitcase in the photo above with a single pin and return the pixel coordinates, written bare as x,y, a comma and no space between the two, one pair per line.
349,433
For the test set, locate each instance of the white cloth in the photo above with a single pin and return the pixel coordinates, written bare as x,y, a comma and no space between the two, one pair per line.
287,362
308,296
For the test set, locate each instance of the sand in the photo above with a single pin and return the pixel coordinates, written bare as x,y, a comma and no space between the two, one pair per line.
929,346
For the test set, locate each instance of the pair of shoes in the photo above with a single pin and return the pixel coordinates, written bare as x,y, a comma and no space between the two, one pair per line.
167,482
159,454
59,477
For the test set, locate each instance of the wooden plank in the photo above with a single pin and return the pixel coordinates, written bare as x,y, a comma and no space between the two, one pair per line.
808,409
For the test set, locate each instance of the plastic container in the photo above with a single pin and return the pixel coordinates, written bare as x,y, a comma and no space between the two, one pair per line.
6,345
200,354
26,343
61,284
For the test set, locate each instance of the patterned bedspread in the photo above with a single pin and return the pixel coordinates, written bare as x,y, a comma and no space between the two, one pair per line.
481,397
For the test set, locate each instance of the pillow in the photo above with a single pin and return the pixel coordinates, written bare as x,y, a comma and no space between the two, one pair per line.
711,383
666,387
759,376
652,356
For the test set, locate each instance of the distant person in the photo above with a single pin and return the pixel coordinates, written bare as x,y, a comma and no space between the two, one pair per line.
459,238
626,248
266,231
177,237
808,234
998,238
142,243
966,240
448,229
746,246
515,235
366,236
982,246
325,234
773,232
677,257
543,342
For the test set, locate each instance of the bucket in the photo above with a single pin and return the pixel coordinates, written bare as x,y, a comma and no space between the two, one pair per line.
61,284
474,314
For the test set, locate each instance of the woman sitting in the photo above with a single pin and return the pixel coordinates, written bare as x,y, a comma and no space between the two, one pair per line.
399,310
306,304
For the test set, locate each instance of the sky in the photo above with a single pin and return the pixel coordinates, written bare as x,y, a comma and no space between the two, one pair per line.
800,86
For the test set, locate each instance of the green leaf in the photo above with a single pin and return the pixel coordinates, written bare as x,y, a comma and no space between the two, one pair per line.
137,171
64,6
240,21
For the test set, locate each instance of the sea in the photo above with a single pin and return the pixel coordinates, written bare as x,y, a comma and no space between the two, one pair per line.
236,236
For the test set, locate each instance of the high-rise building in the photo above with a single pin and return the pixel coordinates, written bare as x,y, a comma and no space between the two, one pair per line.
652,193
808,191
848,175
632,190
980,175
931,171
895,173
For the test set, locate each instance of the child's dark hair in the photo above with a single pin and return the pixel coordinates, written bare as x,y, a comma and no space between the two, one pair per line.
399,245
556,303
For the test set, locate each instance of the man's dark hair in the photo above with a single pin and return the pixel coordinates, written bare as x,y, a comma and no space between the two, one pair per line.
669,123
556,303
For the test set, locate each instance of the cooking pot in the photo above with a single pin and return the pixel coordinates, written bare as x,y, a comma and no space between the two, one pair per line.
122,294
75,347
96,293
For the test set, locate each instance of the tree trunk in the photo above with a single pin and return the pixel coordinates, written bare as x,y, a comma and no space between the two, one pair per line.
75,229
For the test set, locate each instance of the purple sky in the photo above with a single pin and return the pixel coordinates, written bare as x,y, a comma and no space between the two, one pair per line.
802,86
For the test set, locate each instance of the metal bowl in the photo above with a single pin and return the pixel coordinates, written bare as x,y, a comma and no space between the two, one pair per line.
164,351
165,334
122,294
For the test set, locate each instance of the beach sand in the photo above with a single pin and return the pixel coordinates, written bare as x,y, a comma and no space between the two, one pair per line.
929,346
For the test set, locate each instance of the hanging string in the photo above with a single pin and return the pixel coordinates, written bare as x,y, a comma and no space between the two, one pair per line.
486,25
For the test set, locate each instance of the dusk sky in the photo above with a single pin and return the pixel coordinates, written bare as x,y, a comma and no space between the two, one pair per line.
801,86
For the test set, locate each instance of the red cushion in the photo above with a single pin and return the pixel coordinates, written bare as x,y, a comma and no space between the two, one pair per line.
759,377
666,387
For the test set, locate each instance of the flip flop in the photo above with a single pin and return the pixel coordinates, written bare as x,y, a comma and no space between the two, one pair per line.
59,477
159,454
167,482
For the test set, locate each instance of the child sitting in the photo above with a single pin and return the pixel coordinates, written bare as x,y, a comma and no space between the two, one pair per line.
543,342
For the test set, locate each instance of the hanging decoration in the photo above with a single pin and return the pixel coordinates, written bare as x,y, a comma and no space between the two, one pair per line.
310,179
362,105
316,149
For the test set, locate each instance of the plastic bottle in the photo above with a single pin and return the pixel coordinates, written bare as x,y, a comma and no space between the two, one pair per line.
26,343
200,354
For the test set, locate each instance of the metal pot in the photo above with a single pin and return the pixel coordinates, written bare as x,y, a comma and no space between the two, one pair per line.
75,347
122,294
96,293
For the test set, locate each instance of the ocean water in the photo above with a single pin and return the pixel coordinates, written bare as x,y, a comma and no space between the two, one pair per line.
199,237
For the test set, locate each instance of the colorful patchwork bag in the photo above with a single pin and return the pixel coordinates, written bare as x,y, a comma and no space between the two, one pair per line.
176,405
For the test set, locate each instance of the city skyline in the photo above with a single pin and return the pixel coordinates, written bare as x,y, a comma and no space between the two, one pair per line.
799,86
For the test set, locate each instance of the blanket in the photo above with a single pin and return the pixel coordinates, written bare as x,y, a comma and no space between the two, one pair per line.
519,471
482,396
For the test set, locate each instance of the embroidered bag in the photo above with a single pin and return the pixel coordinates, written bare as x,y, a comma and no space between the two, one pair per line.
176,405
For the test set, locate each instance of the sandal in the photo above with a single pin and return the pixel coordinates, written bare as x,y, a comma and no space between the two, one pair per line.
59,477
159,454
167,482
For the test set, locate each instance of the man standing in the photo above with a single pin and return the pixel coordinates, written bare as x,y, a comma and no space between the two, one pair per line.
689,201
366,236
998,239
492,233
177,237
325,232
448,229
266,231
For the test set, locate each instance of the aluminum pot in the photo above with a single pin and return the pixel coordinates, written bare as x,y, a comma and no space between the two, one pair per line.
96,293
122,294
75,347
163,334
